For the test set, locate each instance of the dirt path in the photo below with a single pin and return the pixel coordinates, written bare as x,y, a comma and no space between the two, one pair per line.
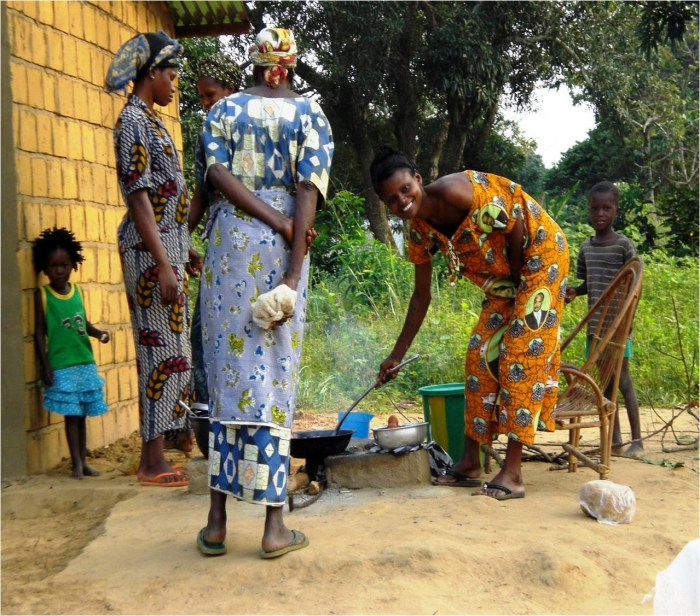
109,546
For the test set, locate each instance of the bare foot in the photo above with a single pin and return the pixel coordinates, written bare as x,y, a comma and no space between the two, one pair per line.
215,531
77,473
635,449
182,441
185,442
88,471
616,449
215,535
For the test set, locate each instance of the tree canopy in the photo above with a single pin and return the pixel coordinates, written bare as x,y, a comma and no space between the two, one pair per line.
429,78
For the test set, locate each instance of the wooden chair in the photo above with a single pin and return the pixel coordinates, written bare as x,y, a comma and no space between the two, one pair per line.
583,397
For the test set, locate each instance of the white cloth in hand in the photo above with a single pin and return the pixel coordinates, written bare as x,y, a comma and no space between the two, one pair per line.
286,299
274,306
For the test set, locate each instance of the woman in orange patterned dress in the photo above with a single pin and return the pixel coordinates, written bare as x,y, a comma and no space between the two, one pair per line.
497,236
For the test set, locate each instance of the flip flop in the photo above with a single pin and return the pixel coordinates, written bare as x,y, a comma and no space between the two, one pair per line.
507,492
461,480
294,545
207,548
157,483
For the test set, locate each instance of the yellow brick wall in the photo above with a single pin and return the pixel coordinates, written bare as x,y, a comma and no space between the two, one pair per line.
64,156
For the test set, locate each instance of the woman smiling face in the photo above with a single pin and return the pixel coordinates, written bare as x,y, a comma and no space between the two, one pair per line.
402,193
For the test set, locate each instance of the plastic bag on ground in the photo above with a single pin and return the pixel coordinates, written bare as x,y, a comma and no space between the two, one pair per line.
607,502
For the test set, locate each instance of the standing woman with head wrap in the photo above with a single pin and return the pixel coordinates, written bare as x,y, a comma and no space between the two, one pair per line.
153,244
277,144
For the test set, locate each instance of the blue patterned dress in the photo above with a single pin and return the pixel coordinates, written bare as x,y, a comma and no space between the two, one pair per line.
271,145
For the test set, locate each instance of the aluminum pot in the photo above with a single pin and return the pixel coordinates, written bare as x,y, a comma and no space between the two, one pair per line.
406,435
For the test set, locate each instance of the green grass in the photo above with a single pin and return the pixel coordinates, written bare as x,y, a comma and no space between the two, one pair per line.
347,339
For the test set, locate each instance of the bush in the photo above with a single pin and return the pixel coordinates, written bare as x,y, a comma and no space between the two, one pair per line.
345,342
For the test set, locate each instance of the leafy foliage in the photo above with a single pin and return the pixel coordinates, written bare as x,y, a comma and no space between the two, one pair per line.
508,153
191,113
665,22
345,250
647,113
347,339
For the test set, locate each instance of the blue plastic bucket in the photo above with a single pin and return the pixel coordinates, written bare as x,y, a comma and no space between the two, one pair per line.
358,422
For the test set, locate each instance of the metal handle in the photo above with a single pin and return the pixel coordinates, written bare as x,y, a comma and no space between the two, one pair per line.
354,404
369,389
187,408
404,362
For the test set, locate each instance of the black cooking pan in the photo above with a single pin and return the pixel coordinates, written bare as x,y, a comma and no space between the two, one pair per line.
319,444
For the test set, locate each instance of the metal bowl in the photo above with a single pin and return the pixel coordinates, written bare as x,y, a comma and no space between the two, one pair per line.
407,435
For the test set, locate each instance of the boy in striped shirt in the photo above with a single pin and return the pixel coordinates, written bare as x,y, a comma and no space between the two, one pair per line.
599,260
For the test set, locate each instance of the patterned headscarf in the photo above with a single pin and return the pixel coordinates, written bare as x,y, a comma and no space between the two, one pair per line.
217,66
137,55
276,50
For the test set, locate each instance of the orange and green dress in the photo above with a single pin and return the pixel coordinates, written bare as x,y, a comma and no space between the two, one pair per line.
512,359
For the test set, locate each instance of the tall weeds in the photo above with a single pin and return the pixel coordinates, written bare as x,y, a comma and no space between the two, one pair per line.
360,291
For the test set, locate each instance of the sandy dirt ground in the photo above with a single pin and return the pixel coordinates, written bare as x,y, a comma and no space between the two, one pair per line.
108,546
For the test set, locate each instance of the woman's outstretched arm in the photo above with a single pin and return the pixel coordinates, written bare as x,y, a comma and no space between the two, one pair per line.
417,309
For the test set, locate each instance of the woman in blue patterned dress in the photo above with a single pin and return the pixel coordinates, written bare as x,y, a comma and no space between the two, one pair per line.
266,144
153,244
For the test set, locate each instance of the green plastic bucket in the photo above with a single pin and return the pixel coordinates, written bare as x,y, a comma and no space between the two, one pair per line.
443,409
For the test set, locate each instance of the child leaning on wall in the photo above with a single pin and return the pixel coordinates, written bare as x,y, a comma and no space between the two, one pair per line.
72,386
601,257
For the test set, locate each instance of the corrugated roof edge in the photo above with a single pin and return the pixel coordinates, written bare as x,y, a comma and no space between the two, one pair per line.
209,18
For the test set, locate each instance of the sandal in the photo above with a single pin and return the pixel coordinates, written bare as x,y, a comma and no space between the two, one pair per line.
295,544
461,481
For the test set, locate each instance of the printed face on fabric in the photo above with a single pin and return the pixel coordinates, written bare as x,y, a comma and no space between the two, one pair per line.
401,192
537,308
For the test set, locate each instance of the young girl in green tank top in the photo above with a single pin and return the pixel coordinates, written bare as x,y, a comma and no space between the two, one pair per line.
72,386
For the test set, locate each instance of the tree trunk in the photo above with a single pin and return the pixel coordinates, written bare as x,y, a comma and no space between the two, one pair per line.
434,157
404,83
375,210
354,117
476,142
456,137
